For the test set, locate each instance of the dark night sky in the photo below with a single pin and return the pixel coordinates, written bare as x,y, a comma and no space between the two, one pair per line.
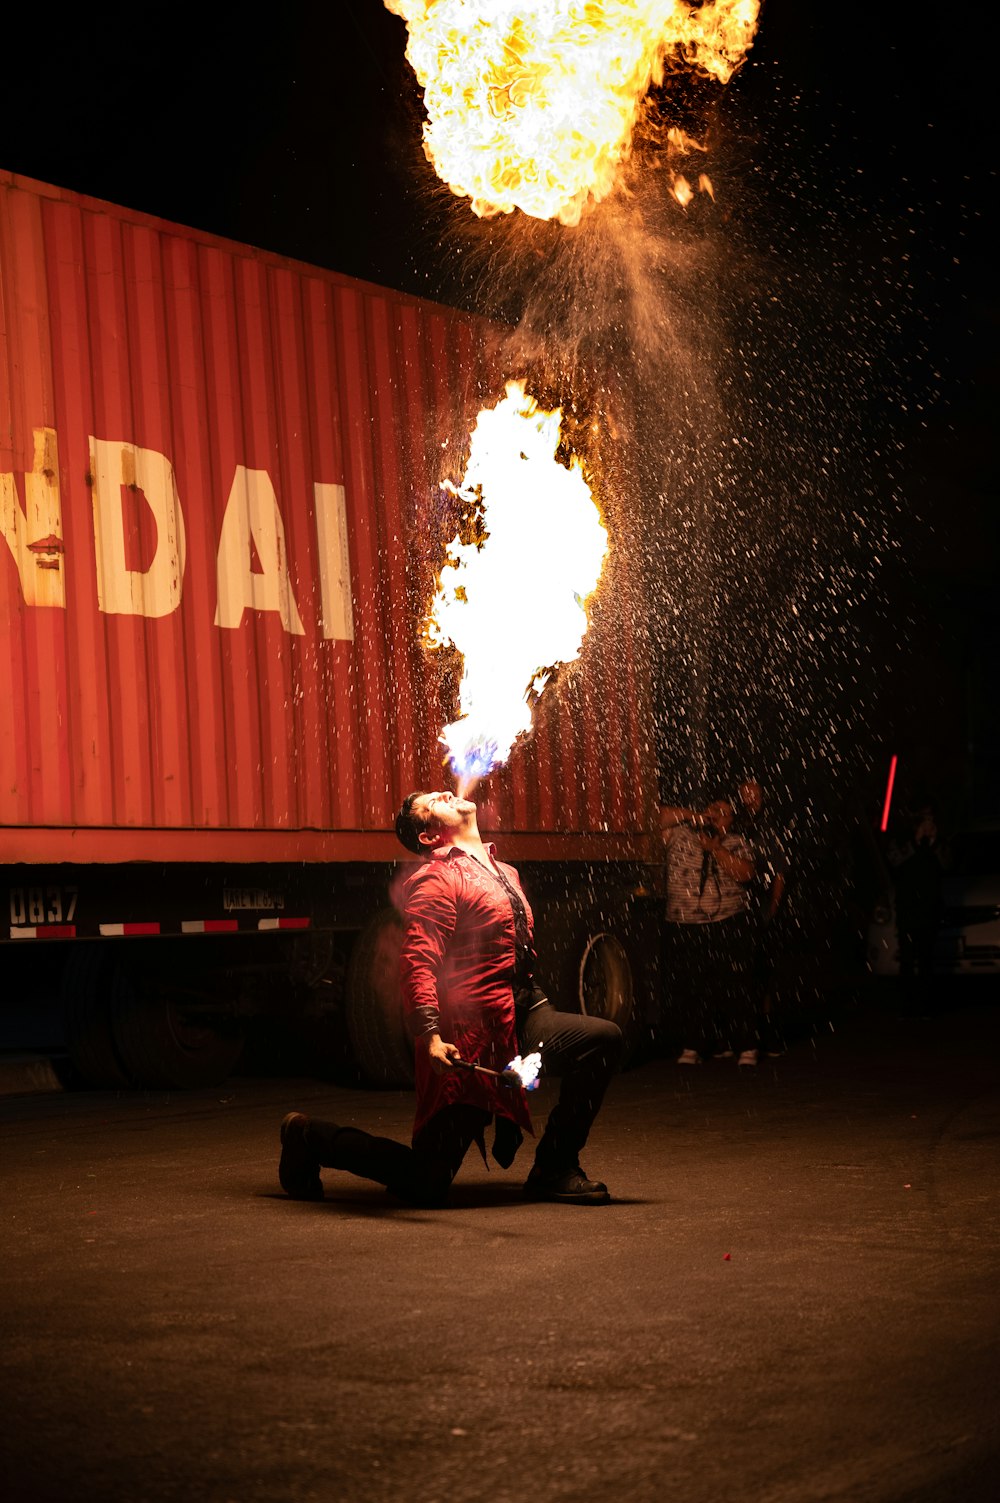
302,136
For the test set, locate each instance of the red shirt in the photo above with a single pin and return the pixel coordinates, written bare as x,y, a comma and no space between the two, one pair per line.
458,957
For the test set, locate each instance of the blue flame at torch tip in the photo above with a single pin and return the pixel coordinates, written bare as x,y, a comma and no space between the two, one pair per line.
475,761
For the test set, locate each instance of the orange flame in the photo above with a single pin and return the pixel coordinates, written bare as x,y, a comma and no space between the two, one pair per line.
531,104
682,191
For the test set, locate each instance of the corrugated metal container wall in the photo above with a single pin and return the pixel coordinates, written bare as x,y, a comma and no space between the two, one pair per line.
214,465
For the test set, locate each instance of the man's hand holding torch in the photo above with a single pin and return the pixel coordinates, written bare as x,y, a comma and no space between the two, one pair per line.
439,1053
520,1072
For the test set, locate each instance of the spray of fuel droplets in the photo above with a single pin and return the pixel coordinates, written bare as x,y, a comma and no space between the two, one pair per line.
713,317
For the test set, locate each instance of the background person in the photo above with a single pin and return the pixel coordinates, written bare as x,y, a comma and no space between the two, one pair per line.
709,932
754,821
917,862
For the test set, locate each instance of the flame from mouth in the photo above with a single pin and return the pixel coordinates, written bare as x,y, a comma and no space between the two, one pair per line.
514,602
532,104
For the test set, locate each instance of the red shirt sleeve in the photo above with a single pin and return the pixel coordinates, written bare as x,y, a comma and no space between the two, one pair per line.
429,915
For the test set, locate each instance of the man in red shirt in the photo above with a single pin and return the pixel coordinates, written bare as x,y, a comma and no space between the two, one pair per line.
468,991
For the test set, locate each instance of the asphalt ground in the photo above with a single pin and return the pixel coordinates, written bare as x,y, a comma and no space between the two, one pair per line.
793,1297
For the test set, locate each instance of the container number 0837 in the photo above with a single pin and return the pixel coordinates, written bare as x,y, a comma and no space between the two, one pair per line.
42,905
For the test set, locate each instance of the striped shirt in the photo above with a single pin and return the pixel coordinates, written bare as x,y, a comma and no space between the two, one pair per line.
698,890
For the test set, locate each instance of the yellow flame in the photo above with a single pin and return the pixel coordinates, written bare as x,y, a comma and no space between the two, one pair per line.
531,104
514,604
681,141
682,191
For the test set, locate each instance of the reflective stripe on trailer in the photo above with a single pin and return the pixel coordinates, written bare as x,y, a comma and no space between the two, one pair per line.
43,931
110,930
188,926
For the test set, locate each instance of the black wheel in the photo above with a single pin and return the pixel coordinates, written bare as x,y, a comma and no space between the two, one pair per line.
382,1047
604,980
587,963
605,987
163,1045
86,1005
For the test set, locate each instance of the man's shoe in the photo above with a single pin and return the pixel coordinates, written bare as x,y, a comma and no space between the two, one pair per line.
571,1188
298,1170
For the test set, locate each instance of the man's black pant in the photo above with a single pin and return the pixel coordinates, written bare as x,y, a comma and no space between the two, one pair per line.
582,1051
421,1174
917,936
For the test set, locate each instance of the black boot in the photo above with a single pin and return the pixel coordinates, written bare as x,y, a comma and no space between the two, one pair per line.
568,1187
298,1167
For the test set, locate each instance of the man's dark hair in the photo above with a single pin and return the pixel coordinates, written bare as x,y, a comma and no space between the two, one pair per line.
409,825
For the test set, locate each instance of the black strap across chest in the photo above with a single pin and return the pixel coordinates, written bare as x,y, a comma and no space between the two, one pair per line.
523,953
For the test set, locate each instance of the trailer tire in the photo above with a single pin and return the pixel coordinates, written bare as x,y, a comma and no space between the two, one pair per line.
382,1047
588,960
85,994
605,986
160,1047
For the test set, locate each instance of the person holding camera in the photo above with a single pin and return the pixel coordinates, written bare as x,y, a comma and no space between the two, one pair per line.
710,933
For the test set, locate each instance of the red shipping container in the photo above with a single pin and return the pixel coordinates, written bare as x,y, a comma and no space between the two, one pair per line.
218,469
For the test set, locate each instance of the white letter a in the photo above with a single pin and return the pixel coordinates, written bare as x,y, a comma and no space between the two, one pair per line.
252,516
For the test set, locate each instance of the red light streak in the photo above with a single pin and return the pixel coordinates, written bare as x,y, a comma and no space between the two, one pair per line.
888,794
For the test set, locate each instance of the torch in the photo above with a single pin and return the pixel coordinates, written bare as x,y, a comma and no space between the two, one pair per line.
520,1073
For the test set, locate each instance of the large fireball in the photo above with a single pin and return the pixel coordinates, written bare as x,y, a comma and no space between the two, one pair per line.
531,104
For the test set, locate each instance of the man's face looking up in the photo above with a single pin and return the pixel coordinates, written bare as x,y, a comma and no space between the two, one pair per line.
444,814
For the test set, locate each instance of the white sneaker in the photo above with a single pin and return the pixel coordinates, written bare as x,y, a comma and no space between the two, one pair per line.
749,1057
689,1057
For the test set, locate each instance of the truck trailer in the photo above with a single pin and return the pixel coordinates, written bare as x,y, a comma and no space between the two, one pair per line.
220,517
